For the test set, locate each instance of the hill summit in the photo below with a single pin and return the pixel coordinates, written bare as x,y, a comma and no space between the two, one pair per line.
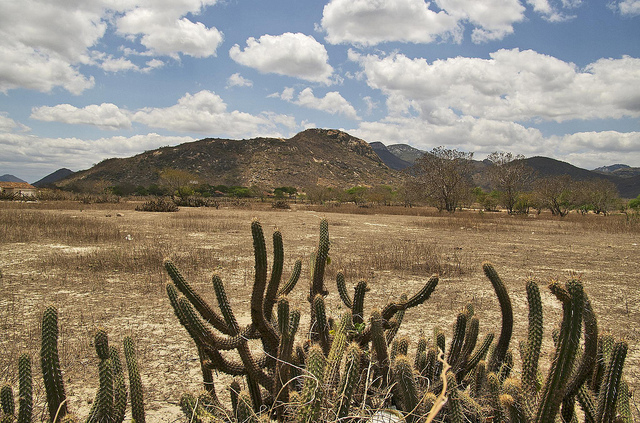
325,157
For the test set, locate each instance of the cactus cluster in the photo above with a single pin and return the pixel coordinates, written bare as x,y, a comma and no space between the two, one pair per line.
110,402
349,367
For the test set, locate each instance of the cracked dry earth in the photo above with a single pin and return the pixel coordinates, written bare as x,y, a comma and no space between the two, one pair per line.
118,283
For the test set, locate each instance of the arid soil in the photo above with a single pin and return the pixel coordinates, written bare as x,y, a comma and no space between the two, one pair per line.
119,284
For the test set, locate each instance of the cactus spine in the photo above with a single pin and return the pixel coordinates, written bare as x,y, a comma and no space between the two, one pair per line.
349,381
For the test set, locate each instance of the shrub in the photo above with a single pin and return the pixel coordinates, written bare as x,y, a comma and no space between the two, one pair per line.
160,204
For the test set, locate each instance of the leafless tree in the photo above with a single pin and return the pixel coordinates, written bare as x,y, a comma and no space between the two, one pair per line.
445,176
509,175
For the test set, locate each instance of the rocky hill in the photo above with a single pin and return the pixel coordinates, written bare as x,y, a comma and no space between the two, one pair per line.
313,157
390,159
53,177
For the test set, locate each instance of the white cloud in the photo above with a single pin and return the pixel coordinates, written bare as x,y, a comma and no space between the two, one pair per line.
628,7
104,116
236,80
206,113
297,55
367,22
44,43
29,154
551,12
165,34
118,65
9,125
332,102
370,22
511,85
493,19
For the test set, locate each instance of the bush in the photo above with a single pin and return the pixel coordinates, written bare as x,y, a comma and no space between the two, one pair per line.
194,201
160,205
280,204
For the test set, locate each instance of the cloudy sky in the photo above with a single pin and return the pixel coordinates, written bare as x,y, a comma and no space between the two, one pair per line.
85,80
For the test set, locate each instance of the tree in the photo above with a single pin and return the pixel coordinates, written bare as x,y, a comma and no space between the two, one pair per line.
445,176
598,195
178,182
554,193
509,175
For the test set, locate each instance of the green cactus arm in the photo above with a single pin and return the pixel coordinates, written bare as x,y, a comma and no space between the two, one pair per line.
276,275
25,389
358,302
479,354
606,410
207,374
322,327
293,279
342,290
338,347
587,403
479,379
457,340
418,363
568,343
320,262
399,317
399,347
6,399
283,365
50,364
313,389
135,381
428,371
348,381
120,394
269,337
456,414
622,404
207,313
470,341
588,360
420,297
507,317
519,410
380,346
406,387
104,397
534,339
493,383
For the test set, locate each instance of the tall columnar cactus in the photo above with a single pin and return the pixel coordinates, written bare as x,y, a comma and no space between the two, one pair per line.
500,351
135,381
348,381
534,339
569,340
50,363
407,387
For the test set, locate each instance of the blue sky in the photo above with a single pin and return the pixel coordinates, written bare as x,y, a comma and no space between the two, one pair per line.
85,80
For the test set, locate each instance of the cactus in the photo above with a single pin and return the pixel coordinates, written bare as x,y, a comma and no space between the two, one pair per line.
25,401
607,396
348,381
500,351
135,382
50,363
403,373
313,391
534,339
569,339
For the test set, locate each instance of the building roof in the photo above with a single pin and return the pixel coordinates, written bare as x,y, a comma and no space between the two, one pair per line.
16,185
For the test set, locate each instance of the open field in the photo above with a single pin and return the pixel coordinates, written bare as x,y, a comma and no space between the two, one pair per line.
101,269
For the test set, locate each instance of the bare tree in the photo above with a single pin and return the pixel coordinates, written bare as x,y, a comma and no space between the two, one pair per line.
598,195
554,193
509,175
445,176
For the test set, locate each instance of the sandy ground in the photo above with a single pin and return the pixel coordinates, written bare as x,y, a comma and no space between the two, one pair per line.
134,303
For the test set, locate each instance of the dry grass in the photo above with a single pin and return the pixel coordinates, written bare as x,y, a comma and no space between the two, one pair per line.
107,271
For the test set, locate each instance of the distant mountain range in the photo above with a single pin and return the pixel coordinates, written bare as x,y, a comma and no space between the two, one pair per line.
52,178
323,157
10,178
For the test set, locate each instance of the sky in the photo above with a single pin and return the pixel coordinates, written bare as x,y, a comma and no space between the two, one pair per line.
86,80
